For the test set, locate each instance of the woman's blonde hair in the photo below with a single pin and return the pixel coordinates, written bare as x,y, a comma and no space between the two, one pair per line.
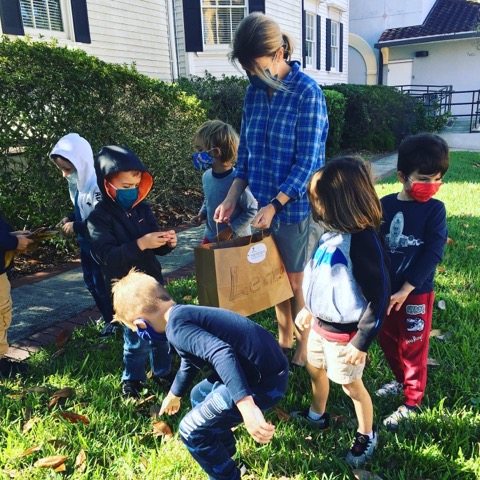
135,294
343,197
259,36
221,135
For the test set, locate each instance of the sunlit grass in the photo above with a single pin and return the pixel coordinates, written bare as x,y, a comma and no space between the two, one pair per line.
442,442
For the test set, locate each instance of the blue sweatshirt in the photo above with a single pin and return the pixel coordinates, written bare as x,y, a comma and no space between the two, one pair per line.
415,234
240,352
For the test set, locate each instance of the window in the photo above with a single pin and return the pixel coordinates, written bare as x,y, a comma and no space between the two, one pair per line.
220,19
42,14
334,45
309,39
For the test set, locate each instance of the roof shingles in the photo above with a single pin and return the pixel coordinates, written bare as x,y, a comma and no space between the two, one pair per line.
446,17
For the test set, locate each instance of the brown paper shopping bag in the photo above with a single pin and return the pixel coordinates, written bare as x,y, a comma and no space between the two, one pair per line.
245,274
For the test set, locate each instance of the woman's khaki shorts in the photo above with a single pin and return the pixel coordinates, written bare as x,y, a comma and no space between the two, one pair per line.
329,356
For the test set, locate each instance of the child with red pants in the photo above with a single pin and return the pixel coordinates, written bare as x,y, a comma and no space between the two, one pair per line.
414,226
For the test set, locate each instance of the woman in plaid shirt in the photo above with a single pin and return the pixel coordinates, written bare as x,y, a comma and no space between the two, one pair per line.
282,143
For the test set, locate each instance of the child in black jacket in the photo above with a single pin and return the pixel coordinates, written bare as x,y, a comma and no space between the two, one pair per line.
124,234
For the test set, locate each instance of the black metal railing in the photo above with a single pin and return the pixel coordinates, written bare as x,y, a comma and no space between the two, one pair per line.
442,99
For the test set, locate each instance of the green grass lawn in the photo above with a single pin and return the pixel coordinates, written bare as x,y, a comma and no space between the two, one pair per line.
443,442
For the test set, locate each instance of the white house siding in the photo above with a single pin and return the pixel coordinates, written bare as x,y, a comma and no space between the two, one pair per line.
455,63
131,31
177,8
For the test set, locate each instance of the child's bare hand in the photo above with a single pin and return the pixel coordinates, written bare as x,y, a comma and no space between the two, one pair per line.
170,404
171,238
67,229
62,222
155,240
254,421
303,319
224,211
353,355
23,242
197,220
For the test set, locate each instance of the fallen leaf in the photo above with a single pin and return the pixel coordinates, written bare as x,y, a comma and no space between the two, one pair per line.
141,403
470,247
62,338
30,450
435,332
154,411
441,269
442,305
365,475
432,362
61,468
39,389
50,462
451,242
144,462
74,417
29,425
15,396
57,353
81,461
282,415
60,397
162,429
11,472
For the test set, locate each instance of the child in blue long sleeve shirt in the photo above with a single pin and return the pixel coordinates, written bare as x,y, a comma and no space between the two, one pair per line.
249,370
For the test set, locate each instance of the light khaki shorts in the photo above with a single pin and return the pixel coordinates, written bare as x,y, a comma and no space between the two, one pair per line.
329,356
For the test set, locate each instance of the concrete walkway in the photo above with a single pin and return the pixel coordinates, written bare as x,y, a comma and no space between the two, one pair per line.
44,306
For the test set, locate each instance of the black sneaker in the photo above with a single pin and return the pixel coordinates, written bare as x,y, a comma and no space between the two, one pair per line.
9,368
132,388
164,382
323,423
362,449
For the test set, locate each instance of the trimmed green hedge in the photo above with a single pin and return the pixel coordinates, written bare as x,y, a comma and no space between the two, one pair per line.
47,91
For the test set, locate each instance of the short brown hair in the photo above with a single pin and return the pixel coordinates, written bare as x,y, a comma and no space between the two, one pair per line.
135,294
221,135
343,196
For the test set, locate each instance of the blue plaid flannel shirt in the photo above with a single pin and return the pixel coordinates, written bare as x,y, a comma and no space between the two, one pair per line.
282,142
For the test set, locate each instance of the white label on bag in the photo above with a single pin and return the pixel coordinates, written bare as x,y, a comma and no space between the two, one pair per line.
257,253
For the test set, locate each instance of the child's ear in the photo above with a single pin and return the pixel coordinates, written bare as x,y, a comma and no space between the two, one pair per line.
402,178
140,323
216,152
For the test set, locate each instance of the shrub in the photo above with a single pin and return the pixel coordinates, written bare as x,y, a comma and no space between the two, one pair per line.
48,91
336,104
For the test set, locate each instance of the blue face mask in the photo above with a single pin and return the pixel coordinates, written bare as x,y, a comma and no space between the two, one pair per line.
149,334
72,179
126,197
202,160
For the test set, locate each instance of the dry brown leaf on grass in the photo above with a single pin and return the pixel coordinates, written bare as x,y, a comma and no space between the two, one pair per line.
74,417
29,451
441,269
470,247
61,468
435,332
451,241
365,475
141,403
27,426
162,429
60,396
81,461
38,389
50,462
62,338
282,415
15,396
143,460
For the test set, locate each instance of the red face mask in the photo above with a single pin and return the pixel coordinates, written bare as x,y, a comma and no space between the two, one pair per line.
422,192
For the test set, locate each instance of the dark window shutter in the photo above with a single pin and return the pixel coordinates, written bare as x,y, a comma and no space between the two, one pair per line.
256,6
192,23
328,47
319,42
11,16
340,53
80,21
304,35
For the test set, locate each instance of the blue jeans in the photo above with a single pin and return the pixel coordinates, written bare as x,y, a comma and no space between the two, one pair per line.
93,278
135,352
206,430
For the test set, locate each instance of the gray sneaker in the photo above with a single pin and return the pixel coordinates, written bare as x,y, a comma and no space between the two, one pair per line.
323,423
399,415
362,449
390,388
